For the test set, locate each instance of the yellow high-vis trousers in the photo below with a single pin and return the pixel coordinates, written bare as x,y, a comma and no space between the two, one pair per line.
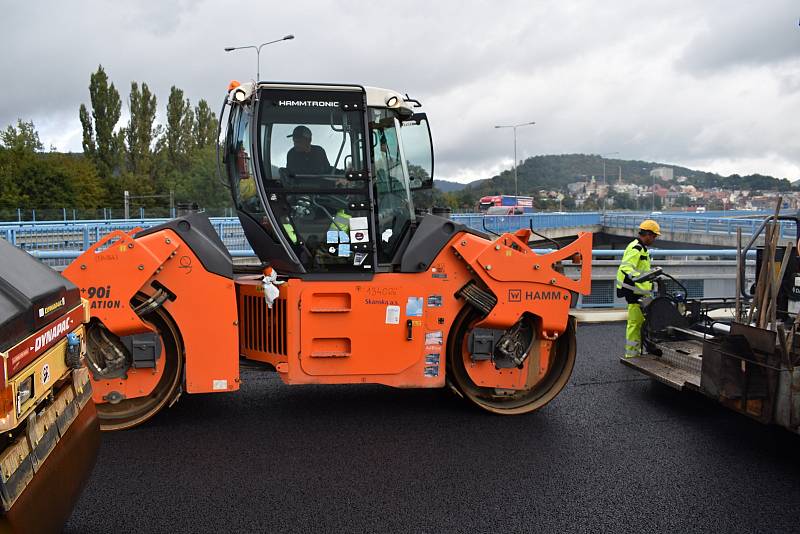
633,333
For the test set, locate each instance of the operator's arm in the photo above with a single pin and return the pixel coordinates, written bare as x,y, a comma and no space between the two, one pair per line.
322,162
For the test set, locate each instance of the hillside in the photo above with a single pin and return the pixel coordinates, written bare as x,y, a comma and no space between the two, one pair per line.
556,171
448,187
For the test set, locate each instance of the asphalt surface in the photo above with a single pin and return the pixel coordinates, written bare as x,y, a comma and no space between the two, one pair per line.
614,452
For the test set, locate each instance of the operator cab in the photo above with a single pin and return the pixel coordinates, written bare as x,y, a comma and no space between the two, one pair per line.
322,175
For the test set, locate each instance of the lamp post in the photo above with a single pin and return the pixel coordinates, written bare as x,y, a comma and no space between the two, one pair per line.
514,127
605,186
654,193
258,51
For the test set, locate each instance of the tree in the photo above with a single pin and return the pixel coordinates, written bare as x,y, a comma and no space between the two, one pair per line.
205,124
23,138
623,201
31,178
141,132
180,125
101,143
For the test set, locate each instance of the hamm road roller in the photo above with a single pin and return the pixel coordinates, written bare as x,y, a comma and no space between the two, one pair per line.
352,286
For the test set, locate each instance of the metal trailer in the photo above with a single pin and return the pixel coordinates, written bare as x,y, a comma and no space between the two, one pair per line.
749,362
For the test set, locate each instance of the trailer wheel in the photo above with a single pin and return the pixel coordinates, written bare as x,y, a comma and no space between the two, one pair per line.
128,413
520,402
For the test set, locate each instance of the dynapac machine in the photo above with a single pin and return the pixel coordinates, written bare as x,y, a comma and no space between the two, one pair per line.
49,430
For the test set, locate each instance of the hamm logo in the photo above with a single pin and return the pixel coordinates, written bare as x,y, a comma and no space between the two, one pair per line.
517,295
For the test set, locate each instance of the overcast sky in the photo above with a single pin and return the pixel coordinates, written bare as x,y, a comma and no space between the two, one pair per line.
709,84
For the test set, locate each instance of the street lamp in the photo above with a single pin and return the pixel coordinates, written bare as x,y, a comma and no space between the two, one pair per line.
605,187
515,126
258,52
654,193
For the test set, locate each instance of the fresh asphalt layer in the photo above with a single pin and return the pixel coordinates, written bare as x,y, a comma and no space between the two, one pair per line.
614,452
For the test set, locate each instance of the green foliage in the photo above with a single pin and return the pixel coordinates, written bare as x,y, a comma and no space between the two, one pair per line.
21,139
206,124
33,179
100,142
623,201
141,131
179,133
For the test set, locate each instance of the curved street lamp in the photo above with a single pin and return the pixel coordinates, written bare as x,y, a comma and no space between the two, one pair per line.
602,156
258,51
515,126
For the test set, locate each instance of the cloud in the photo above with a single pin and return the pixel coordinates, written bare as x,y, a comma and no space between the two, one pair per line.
678,81
740,34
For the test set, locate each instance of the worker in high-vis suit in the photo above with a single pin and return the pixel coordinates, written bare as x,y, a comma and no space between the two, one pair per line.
636,262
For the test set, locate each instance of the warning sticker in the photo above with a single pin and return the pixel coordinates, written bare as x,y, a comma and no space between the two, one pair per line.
433,338
431,371
359,258
358,223
414,307
332,236
344,250
434,301
392,314
359,236
437,271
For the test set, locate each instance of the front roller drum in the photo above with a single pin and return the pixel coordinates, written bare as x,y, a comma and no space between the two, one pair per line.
504,401
116,414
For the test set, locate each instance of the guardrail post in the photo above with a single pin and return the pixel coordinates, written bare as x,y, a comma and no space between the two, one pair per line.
85,237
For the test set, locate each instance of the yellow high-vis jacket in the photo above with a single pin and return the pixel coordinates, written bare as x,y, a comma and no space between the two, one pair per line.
635,261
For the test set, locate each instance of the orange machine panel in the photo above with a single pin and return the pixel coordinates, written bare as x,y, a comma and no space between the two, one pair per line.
110,273
202,304
394,328
204,308
390,330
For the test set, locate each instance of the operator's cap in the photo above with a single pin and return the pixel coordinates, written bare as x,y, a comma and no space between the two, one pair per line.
651,226
300,132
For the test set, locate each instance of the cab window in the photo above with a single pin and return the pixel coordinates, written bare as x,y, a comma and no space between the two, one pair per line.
392,193
312,154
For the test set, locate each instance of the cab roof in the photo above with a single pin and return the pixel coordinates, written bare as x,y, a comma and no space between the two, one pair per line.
377,97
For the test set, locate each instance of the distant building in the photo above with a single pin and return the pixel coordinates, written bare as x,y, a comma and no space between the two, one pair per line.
664,173
576,187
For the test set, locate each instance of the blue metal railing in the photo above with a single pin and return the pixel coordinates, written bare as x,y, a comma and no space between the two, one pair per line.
596,253
79,235
696,225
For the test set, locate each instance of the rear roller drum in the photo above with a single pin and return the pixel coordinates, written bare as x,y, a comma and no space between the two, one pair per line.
120,413
508,402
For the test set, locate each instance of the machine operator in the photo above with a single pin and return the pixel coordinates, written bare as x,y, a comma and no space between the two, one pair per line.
304,158
635,262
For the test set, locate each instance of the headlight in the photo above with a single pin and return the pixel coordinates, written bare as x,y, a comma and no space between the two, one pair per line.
24,393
